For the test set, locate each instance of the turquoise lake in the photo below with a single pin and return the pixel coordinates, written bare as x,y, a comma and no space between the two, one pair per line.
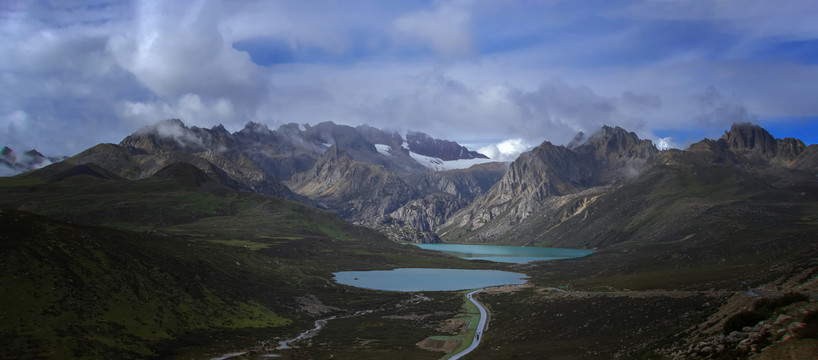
416,279
507,254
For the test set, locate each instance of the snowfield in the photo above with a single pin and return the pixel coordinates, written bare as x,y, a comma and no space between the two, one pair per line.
384,149
440,165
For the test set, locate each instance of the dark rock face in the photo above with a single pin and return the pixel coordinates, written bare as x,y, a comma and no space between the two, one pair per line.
446,150
755,142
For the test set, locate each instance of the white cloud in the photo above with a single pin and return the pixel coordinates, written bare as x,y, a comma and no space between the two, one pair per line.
446,28
716,111
176,50
506,150
87,74
14,121
189,107
665,143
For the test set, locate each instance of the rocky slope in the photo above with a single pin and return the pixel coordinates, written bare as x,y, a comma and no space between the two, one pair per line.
548,176
408,208
364,174
355,190
443,193
600,193
214,151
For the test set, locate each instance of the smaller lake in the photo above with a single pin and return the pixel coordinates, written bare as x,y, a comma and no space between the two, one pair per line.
506,254
416,279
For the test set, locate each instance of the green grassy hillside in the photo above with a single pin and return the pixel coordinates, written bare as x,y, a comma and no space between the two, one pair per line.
102,267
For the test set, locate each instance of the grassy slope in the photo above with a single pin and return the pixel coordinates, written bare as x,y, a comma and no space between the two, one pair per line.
73,290
183,267
534,325
285,250
694,227
679,226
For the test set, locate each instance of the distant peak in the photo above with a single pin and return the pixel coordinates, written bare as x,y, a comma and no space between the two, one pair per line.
417,134
578,140
749,136
256,127
34,153
164,128
613,134
612,130
173,122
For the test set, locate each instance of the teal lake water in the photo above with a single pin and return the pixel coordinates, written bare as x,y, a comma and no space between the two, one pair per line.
415,279
507,254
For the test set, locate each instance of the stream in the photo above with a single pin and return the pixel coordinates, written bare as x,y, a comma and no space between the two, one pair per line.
285,344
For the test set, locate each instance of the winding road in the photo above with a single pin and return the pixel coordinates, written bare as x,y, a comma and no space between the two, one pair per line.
481,326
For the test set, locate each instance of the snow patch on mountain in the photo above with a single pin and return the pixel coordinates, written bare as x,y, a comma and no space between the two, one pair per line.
437,164
383,149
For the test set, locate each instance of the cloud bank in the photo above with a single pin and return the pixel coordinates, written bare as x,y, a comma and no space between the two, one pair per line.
519,73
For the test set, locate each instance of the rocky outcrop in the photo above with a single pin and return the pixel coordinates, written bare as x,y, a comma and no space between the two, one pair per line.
445,193
280,154
607,157
808,160
355,190
752,147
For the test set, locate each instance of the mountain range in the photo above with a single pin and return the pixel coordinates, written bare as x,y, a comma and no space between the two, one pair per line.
575,196
223,233
384,181
11,163
368,176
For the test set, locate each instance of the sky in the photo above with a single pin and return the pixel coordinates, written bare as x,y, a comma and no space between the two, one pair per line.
500,75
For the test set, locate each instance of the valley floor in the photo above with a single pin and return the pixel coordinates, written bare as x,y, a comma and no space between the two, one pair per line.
537,322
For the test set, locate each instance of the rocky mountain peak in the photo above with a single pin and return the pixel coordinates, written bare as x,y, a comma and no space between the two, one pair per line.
253,126
34,153
746,136
614,153
548,171
8,154
166,135
220,130
424,144
12,163
377,136
756,143
578,140
173,135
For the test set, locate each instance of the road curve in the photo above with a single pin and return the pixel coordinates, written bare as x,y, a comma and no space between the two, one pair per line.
481,326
